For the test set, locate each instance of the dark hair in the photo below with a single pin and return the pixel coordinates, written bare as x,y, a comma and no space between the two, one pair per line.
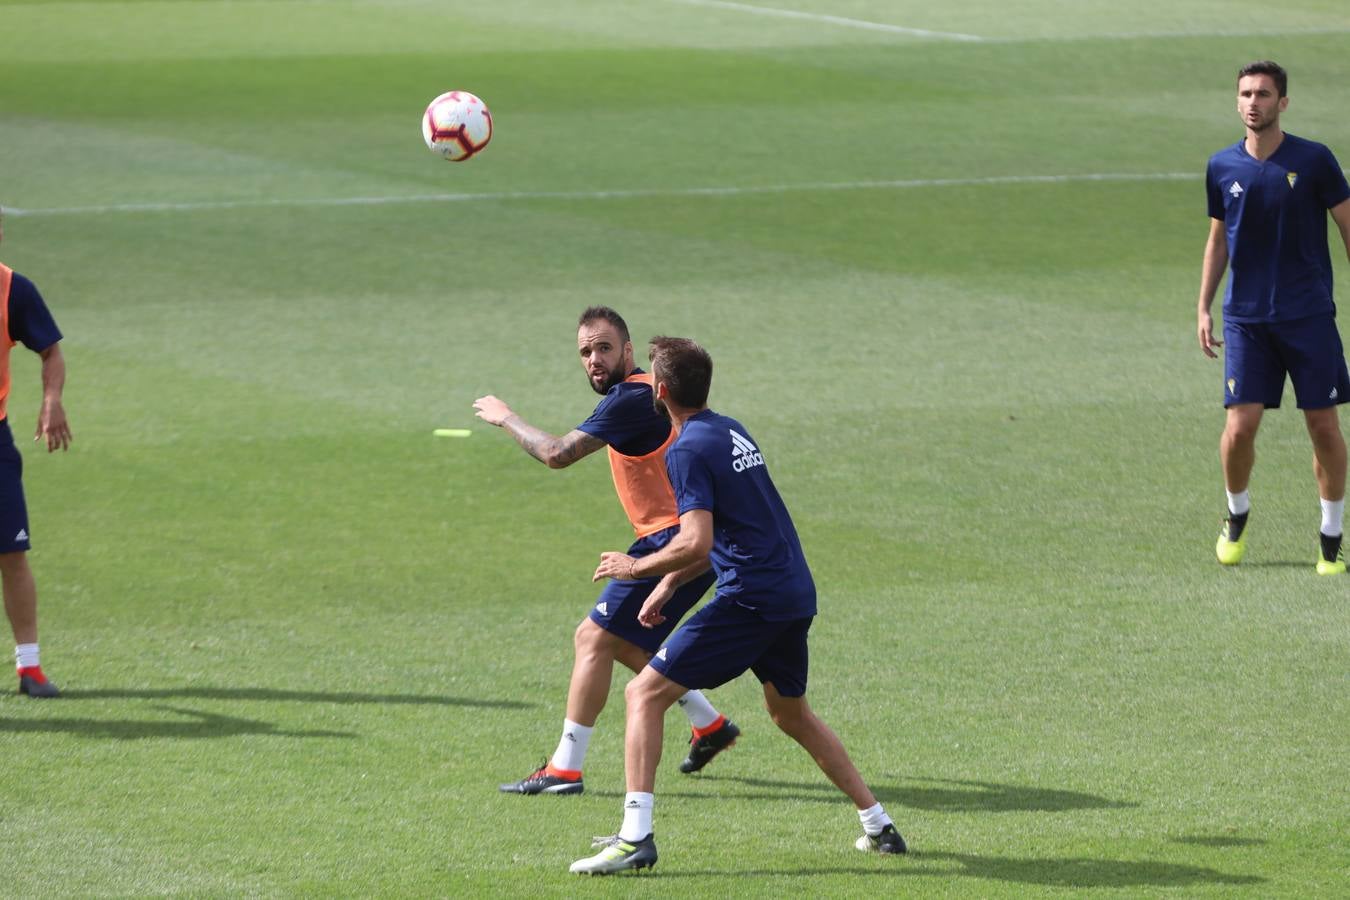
604,312
684,368
1266,67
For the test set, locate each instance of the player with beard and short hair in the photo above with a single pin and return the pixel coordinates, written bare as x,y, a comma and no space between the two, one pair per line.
637,436
1269,195
731,516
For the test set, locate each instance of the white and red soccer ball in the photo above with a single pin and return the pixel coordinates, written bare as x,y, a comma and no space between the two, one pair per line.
456,125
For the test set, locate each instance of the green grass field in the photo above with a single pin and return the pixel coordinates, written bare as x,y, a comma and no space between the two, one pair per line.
948,276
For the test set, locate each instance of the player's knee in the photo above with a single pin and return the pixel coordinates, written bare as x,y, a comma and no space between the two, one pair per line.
589,638
790,718
636,693
12,564
1240,430
1325,431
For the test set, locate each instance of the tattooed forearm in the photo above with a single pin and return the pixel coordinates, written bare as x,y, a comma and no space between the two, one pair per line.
554,452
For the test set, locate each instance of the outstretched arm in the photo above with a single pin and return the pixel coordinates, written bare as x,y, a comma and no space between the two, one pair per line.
52,425
1216,260
551,450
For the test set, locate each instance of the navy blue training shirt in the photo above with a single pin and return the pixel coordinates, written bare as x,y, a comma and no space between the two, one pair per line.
715,465
1275,216
626,420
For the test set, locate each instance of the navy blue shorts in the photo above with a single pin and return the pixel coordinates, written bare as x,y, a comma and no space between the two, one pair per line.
617,609
1257,356
13,511
723,640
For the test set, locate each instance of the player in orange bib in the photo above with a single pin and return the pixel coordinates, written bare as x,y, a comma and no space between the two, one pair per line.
637,437
25,317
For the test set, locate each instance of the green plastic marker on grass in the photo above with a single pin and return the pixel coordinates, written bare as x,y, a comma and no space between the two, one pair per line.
452,432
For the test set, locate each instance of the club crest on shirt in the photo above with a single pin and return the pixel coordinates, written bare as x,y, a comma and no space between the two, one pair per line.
1291,177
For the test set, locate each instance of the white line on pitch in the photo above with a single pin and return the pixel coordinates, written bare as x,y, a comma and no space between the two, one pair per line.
1008,39
833,20
806,187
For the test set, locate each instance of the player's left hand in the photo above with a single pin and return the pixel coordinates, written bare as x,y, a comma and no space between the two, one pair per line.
614,565
52,426
650,614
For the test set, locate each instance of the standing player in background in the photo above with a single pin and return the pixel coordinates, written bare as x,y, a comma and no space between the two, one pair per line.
1269,195
731,515
24,317
637,437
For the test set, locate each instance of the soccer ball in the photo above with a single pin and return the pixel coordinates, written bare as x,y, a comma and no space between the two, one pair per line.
457,125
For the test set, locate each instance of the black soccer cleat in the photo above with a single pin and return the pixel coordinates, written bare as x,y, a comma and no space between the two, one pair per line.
542,781
33,683
1332,559
703,749
889,841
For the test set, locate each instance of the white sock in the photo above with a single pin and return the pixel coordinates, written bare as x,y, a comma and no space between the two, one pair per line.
700,712
637,816
571,752
874,819
25,656
1239,503
1333,514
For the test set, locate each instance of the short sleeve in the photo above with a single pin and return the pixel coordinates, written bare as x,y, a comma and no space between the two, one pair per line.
1332,189
691,479
626,421
30,322
1214,193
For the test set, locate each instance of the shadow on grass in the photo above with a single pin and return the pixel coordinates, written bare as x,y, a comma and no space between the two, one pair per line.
220,693
941,795
200,725
1219,840
1072,872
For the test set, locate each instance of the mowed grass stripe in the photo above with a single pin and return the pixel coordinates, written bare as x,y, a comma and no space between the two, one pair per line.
615,194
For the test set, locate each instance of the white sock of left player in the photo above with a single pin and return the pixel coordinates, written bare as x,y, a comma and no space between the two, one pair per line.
874,819
26,656
1333,516
637,816
697,708
572,746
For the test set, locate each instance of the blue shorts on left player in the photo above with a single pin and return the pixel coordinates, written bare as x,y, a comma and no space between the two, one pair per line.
619,603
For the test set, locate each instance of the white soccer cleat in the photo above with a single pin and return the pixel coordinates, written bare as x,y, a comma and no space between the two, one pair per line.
617,855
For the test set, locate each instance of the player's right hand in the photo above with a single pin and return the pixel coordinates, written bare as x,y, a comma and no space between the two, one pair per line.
613,564
1207,339
491,410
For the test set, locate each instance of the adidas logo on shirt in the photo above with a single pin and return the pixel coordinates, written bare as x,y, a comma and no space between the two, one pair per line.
1236,189
744,455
